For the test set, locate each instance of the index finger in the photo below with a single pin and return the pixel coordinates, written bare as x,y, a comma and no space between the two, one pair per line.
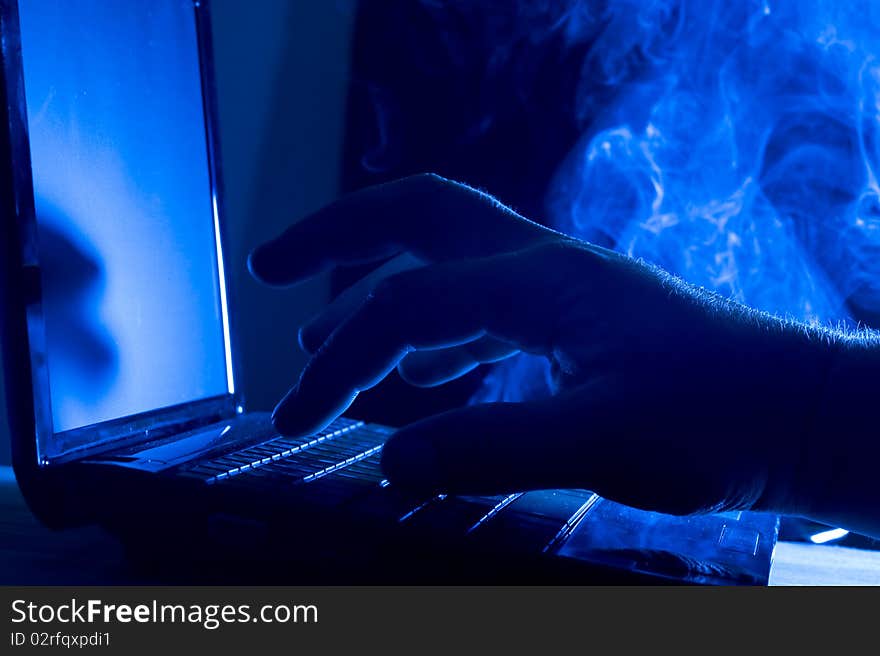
433,218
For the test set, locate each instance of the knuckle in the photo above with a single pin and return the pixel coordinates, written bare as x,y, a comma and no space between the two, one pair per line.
568,270
309,338
430,179
557,251
568,255
426,183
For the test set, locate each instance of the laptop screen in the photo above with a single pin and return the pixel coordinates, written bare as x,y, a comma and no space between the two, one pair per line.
133,299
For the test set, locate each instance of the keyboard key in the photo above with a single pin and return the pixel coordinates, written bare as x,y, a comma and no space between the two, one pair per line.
452,516
255,456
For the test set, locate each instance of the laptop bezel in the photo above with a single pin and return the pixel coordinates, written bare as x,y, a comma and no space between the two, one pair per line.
25,375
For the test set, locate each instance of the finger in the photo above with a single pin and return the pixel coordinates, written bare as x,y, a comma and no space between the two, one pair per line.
433,218
433,307
317,330
432,368
583,441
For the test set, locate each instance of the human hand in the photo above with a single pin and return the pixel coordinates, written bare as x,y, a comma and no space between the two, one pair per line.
669,398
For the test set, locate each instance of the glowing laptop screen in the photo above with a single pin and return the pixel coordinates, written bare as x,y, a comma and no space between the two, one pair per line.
132,298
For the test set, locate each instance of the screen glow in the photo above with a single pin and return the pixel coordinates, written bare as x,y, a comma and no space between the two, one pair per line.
128,240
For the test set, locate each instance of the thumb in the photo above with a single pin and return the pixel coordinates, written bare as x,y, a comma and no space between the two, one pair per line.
491,449
575,441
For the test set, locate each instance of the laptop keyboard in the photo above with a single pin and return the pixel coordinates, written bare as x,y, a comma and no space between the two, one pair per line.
305,458
341,465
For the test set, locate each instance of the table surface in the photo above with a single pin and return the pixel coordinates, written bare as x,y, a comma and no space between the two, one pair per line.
31,554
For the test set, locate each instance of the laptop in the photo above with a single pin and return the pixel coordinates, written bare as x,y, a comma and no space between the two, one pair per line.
118,336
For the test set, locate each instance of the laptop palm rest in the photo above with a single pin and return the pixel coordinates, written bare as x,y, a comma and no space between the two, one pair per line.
172,451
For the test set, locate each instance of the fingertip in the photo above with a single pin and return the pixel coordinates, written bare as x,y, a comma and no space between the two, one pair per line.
275,265
250,262
292,425
305,411
280,416
412,376
308,341
255,264
288,420
433,368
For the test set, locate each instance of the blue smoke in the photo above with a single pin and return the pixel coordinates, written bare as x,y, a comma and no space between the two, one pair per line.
739,150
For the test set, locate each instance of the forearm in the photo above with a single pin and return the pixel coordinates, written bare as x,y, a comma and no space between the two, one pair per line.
814,396
842,466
